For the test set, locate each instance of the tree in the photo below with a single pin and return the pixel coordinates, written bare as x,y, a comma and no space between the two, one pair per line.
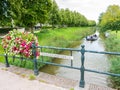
110,20
100,17
25,13
62,17
54,14
34,11
4,13
91,23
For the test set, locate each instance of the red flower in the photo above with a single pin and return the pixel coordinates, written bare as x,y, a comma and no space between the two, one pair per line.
8,38
14,48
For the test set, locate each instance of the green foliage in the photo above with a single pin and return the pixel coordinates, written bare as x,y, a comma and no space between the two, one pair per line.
1,52
54,14
4,30
115,68
72,18
32,77
71,88
10,9
34,11
64,37
110,20
91,23
27,13
24,12
113,45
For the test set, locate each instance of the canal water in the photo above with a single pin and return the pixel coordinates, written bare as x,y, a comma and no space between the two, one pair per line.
93,61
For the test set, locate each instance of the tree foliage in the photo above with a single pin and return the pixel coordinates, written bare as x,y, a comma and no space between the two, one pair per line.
27,13
110,20
71,18
65,17
4,12
91,23
35,11
54,14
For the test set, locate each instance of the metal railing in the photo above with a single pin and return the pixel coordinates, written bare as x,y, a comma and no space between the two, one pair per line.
81,68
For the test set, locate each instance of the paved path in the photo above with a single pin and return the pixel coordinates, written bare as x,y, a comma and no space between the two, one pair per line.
11,81
15,78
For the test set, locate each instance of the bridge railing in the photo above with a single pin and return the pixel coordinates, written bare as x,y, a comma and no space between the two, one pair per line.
82,68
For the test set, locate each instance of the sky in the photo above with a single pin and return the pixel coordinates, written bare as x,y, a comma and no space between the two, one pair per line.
91,9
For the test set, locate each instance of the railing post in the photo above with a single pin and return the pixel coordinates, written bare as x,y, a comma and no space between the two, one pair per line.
82,82
34,58
13,58
6,60
71,59
42,56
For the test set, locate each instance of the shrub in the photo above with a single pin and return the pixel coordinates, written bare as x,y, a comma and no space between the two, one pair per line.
112,44
115,68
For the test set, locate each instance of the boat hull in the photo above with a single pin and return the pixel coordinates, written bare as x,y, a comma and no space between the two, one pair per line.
91,38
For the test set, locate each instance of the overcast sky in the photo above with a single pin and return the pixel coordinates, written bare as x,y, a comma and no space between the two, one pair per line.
91,9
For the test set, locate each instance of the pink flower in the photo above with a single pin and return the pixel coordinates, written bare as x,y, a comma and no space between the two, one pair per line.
28,46
21,51
23,44
37,53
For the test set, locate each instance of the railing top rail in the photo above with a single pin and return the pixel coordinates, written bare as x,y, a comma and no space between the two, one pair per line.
76,49
58,48
103,52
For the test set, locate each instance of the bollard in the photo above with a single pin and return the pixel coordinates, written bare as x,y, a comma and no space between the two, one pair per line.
34,58
6,60
82,82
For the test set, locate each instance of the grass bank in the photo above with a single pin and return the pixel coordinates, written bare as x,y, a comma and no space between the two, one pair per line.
113,44
1,52
64,37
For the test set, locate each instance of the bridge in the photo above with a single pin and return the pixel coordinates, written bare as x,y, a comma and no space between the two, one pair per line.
82,85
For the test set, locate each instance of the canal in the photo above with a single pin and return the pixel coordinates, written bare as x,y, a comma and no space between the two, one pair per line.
92,61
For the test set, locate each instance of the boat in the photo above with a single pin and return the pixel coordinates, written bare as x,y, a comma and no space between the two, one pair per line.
92,37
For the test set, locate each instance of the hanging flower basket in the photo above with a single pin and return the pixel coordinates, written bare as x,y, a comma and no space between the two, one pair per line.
20,43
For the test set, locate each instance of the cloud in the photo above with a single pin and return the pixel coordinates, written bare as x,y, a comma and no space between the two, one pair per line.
91,9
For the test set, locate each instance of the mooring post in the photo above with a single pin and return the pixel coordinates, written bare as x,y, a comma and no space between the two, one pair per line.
34,58
82,82
6,60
